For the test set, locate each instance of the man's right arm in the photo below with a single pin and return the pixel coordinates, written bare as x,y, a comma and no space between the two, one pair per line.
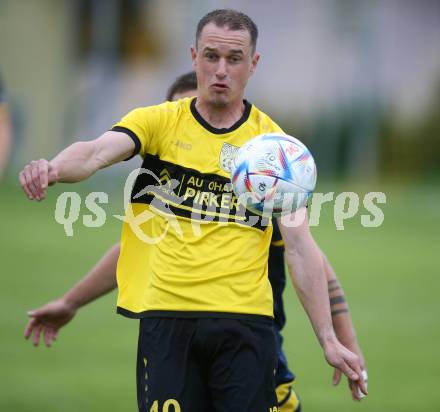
48,319
75,163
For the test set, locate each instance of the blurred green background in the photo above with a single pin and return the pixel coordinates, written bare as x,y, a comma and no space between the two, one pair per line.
390,275
358,82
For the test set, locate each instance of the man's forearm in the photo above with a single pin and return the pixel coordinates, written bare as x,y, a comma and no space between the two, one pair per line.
76,163
99,281
306,269
341,318
82,159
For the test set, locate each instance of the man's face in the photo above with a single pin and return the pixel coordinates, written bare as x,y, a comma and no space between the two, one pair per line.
223,62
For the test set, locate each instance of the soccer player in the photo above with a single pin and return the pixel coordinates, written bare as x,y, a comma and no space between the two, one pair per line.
5,131
206,339
49,318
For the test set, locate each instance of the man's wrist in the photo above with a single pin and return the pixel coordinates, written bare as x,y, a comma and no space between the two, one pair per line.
349,342
353,346
327,338
54,171
70,302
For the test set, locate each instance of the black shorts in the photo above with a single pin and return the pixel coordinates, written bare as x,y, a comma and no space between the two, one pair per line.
206,365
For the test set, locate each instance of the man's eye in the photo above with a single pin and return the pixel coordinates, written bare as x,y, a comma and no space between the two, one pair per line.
234,59
210,56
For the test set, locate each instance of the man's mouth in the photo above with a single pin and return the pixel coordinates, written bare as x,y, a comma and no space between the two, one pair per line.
219,86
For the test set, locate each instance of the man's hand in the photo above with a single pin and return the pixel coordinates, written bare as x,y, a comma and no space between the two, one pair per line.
354,347
48,319
348,363
36,177
337,374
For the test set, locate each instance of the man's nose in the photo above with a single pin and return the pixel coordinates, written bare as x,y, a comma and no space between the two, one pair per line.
221,71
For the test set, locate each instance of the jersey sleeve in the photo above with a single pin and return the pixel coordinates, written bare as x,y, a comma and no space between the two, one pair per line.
276,128
269,126
142,125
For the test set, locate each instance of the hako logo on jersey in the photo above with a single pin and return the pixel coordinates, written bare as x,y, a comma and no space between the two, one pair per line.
227,155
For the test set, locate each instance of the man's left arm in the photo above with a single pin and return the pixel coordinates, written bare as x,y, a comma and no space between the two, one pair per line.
306,267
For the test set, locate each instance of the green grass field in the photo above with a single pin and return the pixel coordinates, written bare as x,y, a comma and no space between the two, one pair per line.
390,275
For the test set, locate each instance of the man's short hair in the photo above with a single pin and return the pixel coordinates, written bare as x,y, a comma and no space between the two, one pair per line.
233,20
182,84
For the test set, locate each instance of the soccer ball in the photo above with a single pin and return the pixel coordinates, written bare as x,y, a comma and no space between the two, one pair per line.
273,174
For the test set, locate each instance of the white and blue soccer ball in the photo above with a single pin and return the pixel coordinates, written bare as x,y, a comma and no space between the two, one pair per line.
273,174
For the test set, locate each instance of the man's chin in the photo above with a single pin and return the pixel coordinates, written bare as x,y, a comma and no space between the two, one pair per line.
219,101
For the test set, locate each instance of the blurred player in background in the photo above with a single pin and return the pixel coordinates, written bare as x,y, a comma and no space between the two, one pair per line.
207,325
48,319
5,131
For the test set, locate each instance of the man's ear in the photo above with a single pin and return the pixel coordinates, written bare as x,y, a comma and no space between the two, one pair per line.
194,57
255,60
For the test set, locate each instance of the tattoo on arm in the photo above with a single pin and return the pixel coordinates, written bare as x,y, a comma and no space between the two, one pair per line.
339,311
337,299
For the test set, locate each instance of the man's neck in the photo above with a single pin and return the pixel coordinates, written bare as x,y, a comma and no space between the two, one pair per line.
220,117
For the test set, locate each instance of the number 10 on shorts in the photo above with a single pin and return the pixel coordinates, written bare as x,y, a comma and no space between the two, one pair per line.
166,406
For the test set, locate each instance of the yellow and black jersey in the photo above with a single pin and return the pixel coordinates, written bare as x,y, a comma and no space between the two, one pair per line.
187,245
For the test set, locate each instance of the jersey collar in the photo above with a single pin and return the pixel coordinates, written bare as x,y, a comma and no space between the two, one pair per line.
207,126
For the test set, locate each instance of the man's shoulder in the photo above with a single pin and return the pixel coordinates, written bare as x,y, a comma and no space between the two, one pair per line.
264,121
166,107
160,112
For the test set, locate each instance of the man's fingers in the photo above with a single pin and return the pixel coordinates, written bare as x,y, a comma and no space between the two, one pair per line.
336,376
354,388
35,173
48,334
43,171
363,381
349,364
27,175
29,328
24,185
34,313
358,388
348,371
37,332
354,363
43,168
34,179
